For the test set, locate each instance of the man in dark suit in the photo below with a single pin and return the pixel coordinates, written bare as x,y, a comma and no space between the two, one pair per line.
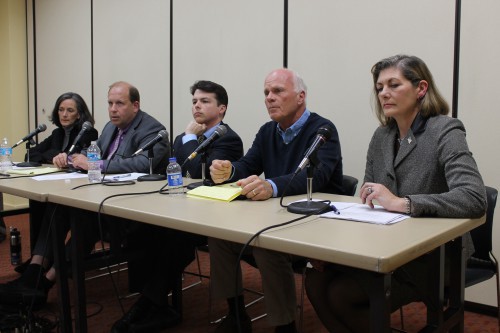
210,102
129,129
174,250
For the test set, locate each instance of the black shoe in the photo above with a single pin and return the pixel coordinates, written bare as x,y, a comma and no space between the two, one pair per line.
22,267
144,316
229,324
20,293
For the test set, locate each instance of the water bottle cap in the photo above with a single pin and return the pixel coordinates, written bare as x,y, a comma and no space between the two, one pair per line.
172,159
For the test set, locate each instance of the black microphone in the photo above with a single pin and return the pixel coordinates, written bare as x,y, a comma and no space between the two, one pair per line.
219,131
323,135
40,128
85,127
161,135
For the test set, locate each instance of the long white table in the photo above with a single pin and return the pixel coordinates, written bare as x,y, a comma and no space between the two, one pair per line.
375,249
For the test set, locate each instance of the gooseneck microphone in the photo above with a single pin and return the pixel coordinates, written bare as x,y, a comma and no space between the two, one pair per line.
323,135
161,136
85,127
39,129
219,131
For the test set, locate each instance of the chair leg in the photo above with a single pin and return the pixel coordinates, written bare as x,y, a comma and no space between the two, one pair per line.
402,318
498,289
301,304
199,274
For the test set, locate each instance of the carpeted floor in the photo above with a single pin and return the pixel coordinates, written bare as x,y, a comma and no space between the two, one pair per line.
104,308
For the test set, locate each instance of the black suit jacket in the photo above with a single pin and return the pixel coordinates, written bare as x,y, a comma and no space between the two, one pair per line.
46,150
227,147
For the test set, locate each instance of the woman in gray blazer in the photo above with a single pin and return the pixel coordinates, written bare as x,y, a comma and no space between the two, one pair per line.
418,163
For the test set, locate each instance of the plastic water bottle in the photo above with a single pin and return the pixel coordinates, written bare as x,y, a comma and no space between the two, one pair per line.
174,177
15,247
5,155
94,161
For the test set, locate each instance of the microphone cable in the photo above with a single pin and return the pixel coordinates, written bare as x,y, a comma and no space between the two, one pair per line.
99,220
258,233
319,211
109,182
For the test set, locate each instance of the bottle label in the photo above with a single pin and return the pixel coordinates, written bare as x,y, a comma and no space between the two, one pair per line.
174,179
93,157
5,151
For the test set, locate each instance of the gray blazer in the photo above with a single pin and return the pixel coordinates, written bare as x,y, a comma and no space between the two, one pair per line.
142,130
434,168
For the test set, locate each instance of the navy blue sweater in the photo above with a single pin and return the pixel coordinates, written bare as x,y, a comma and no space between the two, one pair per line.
278,161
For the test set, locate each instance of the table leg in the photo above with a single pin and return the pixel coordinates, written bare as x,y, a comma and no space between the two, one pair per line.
77,250
380,303
61,275
455,311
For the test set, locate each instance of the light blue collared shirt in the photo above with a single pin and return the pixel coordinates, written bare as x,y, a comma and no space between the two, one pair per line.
288,135
207,134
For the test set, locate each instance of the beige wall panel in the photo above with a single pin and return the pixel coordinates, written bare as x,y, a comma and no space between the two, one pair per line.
479,103
333,45
13,81
131,43
63,53
233,43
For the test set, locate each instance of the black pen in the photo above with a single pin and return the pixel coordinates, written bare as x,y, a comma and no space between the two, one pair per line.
4,174
335,210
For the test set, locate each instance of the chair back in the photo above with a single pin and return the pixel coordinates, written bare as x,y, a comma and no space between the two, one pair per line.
482,235
349,185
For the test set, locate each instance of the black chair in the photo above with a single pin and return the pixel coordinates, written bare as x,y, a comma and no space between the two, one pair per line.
483,265
350,185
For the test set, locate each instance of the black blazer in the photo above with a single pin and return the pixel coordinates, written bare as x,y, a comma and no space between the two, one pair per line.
227,147
46,150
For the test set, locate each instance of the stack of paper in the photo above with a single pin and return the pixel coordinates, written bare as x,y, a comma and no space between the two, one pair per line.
226,192
363,213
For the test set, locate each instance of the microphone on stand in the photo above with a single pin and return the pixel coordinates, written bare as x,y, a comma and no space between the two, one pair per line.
29,141
160,137
39,129
307,207
323,135
85,127
219,131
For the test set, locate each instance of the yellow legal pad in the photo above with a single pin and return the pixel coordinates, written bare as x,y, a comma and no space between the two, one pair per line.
226,192
32,171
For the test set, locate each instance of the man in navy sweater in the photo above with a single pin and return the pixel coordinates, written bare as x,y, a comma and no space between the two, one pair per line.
277,151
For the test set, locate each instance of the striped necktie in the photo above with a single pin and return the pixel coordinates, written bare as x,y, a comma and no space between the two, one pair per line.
116,143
